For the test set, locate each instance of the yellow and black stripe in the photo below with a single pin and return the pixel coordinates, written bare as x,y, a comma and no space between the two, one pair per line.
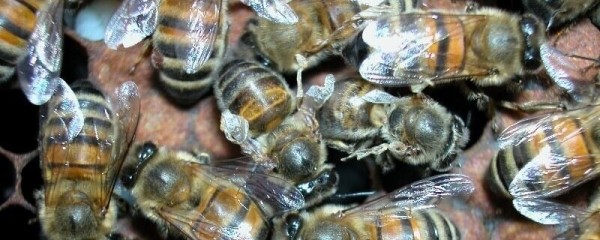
86,159
17,22
258,94
426,224
173,26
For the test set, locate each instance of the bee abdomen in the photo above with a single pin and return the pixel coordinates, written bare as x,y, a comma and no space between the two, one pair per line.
17,21
256,93
170,41
235,209
95,141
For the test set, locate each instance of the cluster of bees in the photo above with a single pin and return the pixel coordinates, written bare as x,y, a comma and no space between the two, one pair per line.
276,190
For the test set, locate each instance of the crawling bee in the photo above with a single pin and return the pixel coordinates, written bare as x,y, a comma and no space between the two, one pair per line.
233,200
422,48
189,38
407,212
579,224
414,129
547,155
79,169
558,13
257,94
295,148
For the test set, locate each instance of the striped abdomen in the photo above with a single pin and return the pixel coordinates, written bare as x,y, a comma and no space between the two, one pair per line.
346,116
172,34
427,224
17,21
556,142
255,93
441,53
234,210
85,163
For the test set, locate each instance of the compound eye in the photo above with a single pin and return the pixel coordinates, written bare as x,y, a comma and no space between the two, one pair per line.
146,151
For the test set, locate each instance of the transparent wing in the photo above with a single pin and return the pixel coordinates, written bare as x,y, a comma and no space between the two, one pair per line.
551,174
133,21
274,195
202,25
195,225
39,71
557,143
275,10
125,105
548,212
419,195
406,49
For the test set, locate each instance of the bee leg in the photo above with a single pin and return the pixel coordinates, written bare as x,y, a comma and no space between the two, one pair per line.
362,153
146,50
533,106
471,6
341,145
303,63
386,162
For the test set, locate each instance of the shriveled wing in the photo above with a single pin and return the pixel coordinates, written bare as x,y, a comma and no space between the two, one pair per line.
379,97
548,212
125,105
39,71
410,49
416,196
275,10
195,225
131,23
203,22
273,194
237,131
567,75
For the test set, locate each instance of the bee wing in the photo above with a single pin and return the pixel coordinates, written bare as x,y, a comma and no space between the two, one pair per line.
371,3
379,96
407,50
275,10
39,71
551,174
566,74
203,21
273,194
195,226
548,212
237,131
419,195
64,108
560,163
131,23
125,104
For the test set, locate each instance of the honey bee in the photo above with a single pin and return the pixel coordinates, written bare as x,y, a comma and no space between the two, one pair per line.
407,212
80,170
189,39
233,200
547,155
415,129
255,93
423,48
579,224
320,22
558,13
294,149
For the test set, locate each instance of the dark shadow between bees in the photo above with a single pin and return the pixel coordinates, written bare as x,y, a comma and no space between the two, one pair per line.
32,180
75,61
7,179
